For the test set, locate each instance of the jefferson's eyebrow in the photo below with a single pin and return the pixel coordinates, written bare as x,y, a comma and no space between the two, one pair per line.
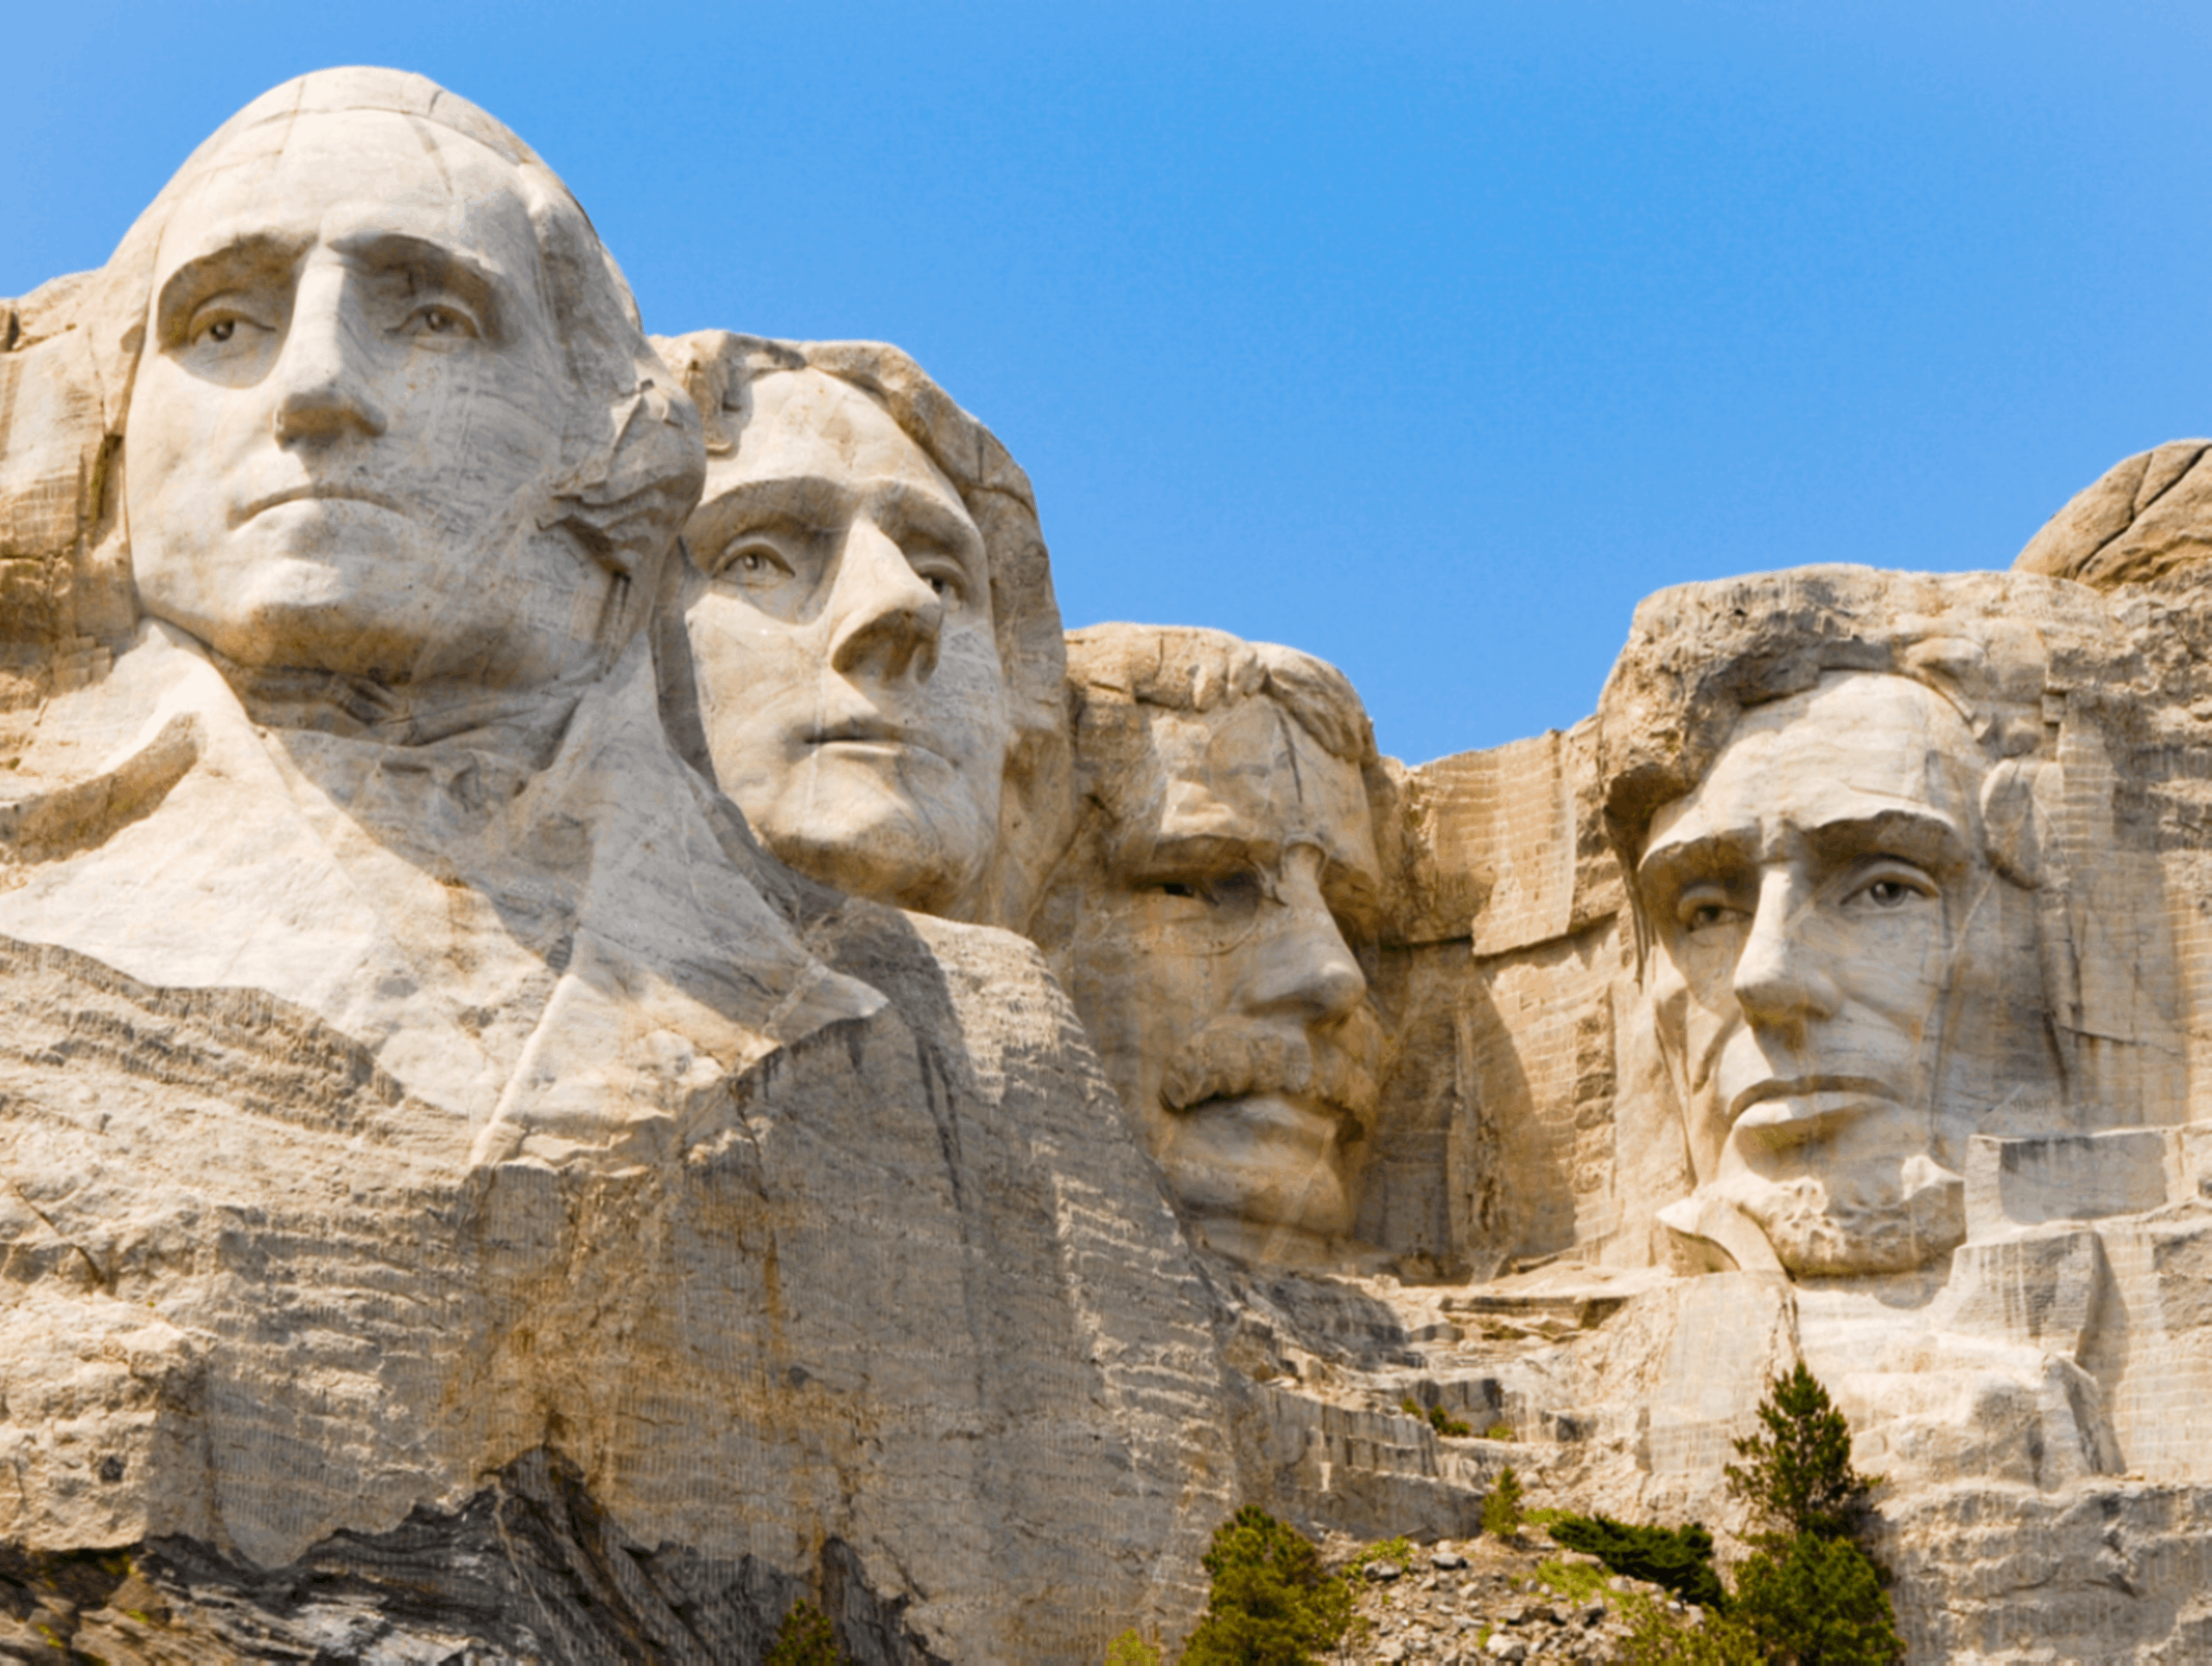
919,510
242,259
475,281
809,500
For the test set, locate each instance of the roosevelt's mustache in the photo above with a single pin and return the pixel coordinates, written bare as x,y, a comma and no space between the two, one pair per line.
1227,1063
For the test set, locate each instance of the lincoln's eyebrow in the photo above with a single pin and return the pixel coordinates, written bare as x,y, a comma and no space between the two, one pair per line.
475,281
1674,862
1916,835
1172,856
251,256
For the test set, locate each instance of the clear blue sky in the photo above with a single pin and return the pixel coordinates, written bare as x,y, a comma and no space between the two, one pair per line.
1427,338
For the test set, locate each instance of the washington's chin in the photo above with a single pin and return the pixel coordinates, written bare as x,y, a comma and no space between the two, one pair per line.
1264,1163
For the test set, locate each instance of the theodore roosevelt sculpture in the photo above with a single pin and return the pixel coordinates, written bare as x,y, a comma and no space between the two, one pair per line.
867,617
1207,918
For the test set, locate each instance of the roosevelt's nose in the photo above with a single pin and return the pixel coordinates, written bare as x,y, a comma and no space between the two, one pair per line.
1781,979
319,381
1302,966
888,615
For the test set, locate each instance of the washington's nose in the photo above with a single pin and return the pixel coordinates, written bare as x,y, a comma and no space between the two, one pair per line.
1781,976
888,616
1304,966
320,389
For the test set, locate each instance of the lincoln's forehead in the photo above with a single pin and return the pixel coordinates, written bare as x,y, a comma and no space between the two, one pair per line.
1856,746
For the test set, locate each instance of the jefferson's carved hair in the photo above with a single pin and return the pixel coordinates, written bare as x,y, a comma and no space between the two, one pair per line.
718,368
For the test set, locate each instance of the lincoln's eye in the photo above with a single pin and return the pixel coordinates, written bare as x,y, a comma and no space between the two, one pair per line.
1888,894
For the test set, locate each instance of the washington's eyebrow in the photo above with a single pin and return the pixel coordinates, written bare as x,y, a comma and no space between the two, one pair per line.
241,260
476,281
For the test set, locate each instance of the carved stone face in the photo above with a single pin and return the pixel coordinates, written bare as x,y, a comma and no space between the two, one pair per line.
849,681
347,417
1214,968
1841,975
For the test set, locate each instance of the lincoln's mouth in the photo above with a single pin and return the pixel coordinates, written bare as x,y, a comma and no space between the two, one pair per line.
1300,1115
316,493
1786,1111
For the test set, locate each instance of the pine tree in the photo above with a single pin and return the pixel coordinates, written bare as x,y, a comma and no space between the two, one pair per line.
1817,1601
1501,1509
1271,1604
805,1638
1798,1474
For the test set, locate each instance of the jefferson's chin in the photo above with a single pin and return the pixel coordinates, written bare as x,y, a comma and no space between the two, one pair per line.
1856,1222
1269,1161
860,824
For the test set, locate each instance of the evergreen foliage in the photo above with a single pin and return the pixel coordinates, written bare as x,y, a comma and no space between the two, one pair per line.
1677,1559
805,1638
1817,1601
1798,1474
1501,1509
1271,1604
1131,1649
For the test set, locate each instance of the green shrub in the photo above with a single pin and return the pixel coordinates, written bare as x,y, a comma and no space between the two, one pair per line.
805,1638
1817,1602
1576,1581
1499,1432
1271,1604
1131,1649
1656,1637
1798,1476
1399,1550
1436,1417
1501,1509
1677,1559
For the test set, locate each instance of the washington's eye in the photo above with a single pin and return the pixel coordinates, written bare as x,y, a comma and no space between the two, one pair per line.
450,323
222,329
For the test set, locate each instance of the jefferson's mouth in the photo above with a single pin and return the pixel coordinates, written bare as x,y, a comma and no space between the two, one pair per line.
872,732
316,493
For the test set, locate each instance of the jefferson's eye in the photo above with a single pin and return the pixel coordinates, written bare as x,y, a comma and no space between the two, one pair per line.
1705,908
755,565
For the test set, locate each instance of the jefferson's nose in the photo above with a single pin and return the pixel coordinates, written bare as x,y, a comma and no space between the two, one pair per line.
1304,967
888,616
1781,979
320,391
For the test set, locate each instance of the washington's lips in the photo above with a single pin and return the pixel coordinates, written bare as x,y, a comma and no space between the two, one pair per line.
316,493
1804,1102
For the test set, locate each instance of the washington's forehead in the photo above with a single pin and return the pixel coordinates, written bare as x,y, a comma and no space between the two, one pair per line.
337,175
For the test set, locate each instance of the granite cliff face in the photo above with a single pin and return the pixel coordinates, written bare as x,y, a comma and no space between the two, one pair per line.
606,1031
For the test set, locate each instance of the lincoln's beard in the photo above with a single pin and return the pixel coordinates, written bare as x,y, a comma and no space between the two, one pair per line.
1856,1222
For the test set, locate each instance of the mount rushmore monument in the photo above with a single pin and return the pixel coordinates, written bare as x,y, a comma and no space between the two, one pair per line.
607,1027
